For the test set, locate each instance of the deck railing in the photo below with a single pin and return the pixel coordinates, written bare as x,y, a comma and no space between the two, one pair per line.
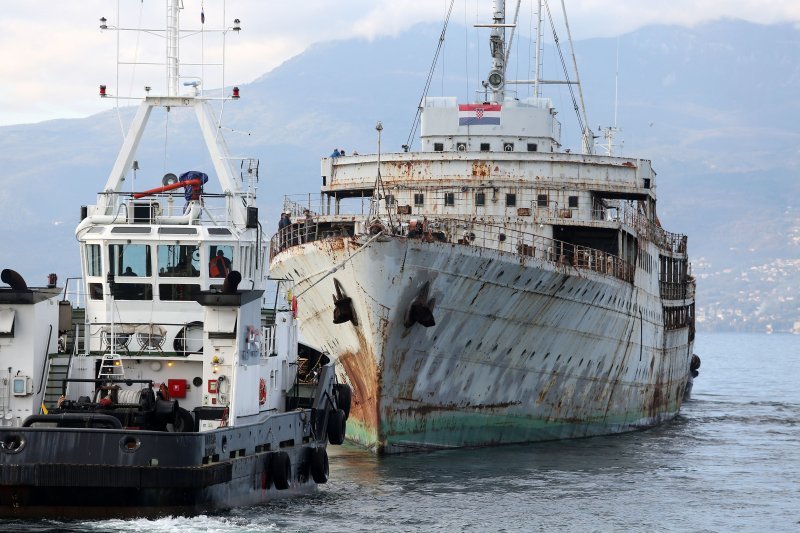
217,208
300,206
676,291
465,232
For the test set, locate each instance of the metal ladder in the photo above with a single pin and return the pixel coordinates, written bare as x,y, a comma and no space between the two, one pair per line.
111,366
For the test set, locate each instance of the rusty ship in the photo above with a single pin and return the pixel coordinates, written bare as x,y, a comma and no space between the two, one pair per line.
492,287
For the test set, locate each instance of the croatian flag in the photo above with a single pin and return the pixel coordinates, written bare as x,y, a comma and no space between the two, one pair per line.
478,114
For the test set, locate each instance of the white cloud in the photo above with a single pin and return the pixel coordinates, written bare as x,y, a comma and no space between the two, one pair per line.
55,56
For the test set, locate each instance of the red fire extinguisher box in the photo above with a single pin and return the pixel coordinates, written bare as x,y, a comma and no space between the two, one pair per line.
177,388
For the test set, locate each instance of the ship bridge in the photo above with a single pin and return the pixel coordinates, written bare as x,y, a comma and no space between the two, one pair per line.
527,125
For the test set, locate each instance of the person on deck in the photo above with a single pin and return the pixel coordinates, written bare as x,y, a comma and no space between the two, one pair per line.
220,266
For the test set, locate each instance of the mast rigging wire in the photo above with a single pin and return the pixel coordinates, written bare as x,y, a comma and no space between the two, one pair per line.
415,124
564,67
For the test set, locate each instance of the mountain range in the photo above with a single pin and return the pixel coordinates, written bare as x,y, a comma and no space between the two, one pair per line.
715,107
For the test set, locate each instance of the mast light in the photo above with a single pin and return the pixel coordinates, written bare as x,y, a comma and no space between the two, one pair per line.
103,91
237,25
103,25
235,94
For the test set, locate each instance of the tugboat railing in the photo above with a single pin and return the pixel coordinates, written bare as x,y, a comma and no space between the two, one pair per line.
217,209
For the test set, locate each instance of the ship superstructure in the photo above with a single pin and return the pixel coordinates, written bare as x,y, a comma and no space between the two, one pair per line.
497,288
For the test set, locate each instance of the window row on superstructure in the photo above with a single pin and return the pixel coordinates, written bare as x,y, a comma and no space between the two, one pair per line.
176,271
505,146
553,203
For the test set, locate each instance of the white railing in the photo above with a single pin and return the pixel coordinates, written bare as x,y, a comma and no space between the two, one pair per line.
217,208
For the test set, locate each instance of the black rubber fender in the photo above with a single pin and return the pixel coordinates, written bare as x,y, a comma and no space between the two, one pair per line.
184,421
344,397
319,465
337,426
280,469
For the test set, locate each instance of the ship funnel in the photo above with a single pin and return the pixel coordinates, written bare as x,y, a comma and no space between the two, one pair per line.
14,280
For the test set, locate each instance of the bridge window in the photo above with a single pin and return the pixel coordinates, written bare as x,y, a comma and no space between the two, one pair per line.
511,200
419,199
438,147
449,198
178,260
532,147
573,201
220,260
480,198
94,265
130,260
485,147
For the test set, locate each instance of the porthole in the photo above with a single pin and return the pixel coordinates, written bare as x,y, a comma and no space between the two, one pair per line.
129,443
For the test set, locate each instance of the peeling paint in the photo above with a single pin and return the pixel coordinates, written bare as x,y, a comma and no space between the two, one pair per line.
521,350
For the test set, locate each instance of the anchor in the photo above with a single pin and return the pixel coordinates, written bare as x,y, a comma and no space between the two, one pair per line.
421,309
342,306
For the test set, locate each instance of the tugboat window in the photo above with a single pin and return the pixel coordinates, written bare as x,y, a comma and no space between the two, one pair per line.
133,291
177,292
449,198
419,199
94,265
178,260
96,291
511,200
480,198
130,260
220,260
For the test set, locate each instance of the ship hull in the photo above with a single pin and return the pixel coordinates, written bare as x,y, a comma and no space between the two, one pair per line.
523,349
99,473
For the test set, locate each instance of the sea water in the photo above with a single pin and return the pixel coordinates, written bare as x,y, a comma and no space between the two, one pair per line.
729,462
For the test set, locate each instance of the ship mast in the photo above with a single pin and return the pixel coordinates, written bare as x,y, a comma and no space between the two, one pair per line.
496,78
216,145
173,34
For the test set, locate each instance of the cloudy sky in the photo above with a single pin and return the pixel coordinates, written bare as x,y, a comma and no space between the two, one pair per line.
53,56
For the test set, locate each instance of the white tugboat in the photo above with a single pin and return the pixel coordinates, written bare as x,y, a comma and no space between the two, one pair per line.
499,289
175,398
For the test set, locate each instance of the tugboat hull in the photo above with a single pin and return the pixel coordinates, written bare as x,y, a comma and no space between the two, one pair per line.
97,473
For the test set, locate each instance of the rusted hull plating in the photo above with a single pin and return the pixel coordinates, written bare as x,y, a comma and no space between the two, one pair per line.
522,350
